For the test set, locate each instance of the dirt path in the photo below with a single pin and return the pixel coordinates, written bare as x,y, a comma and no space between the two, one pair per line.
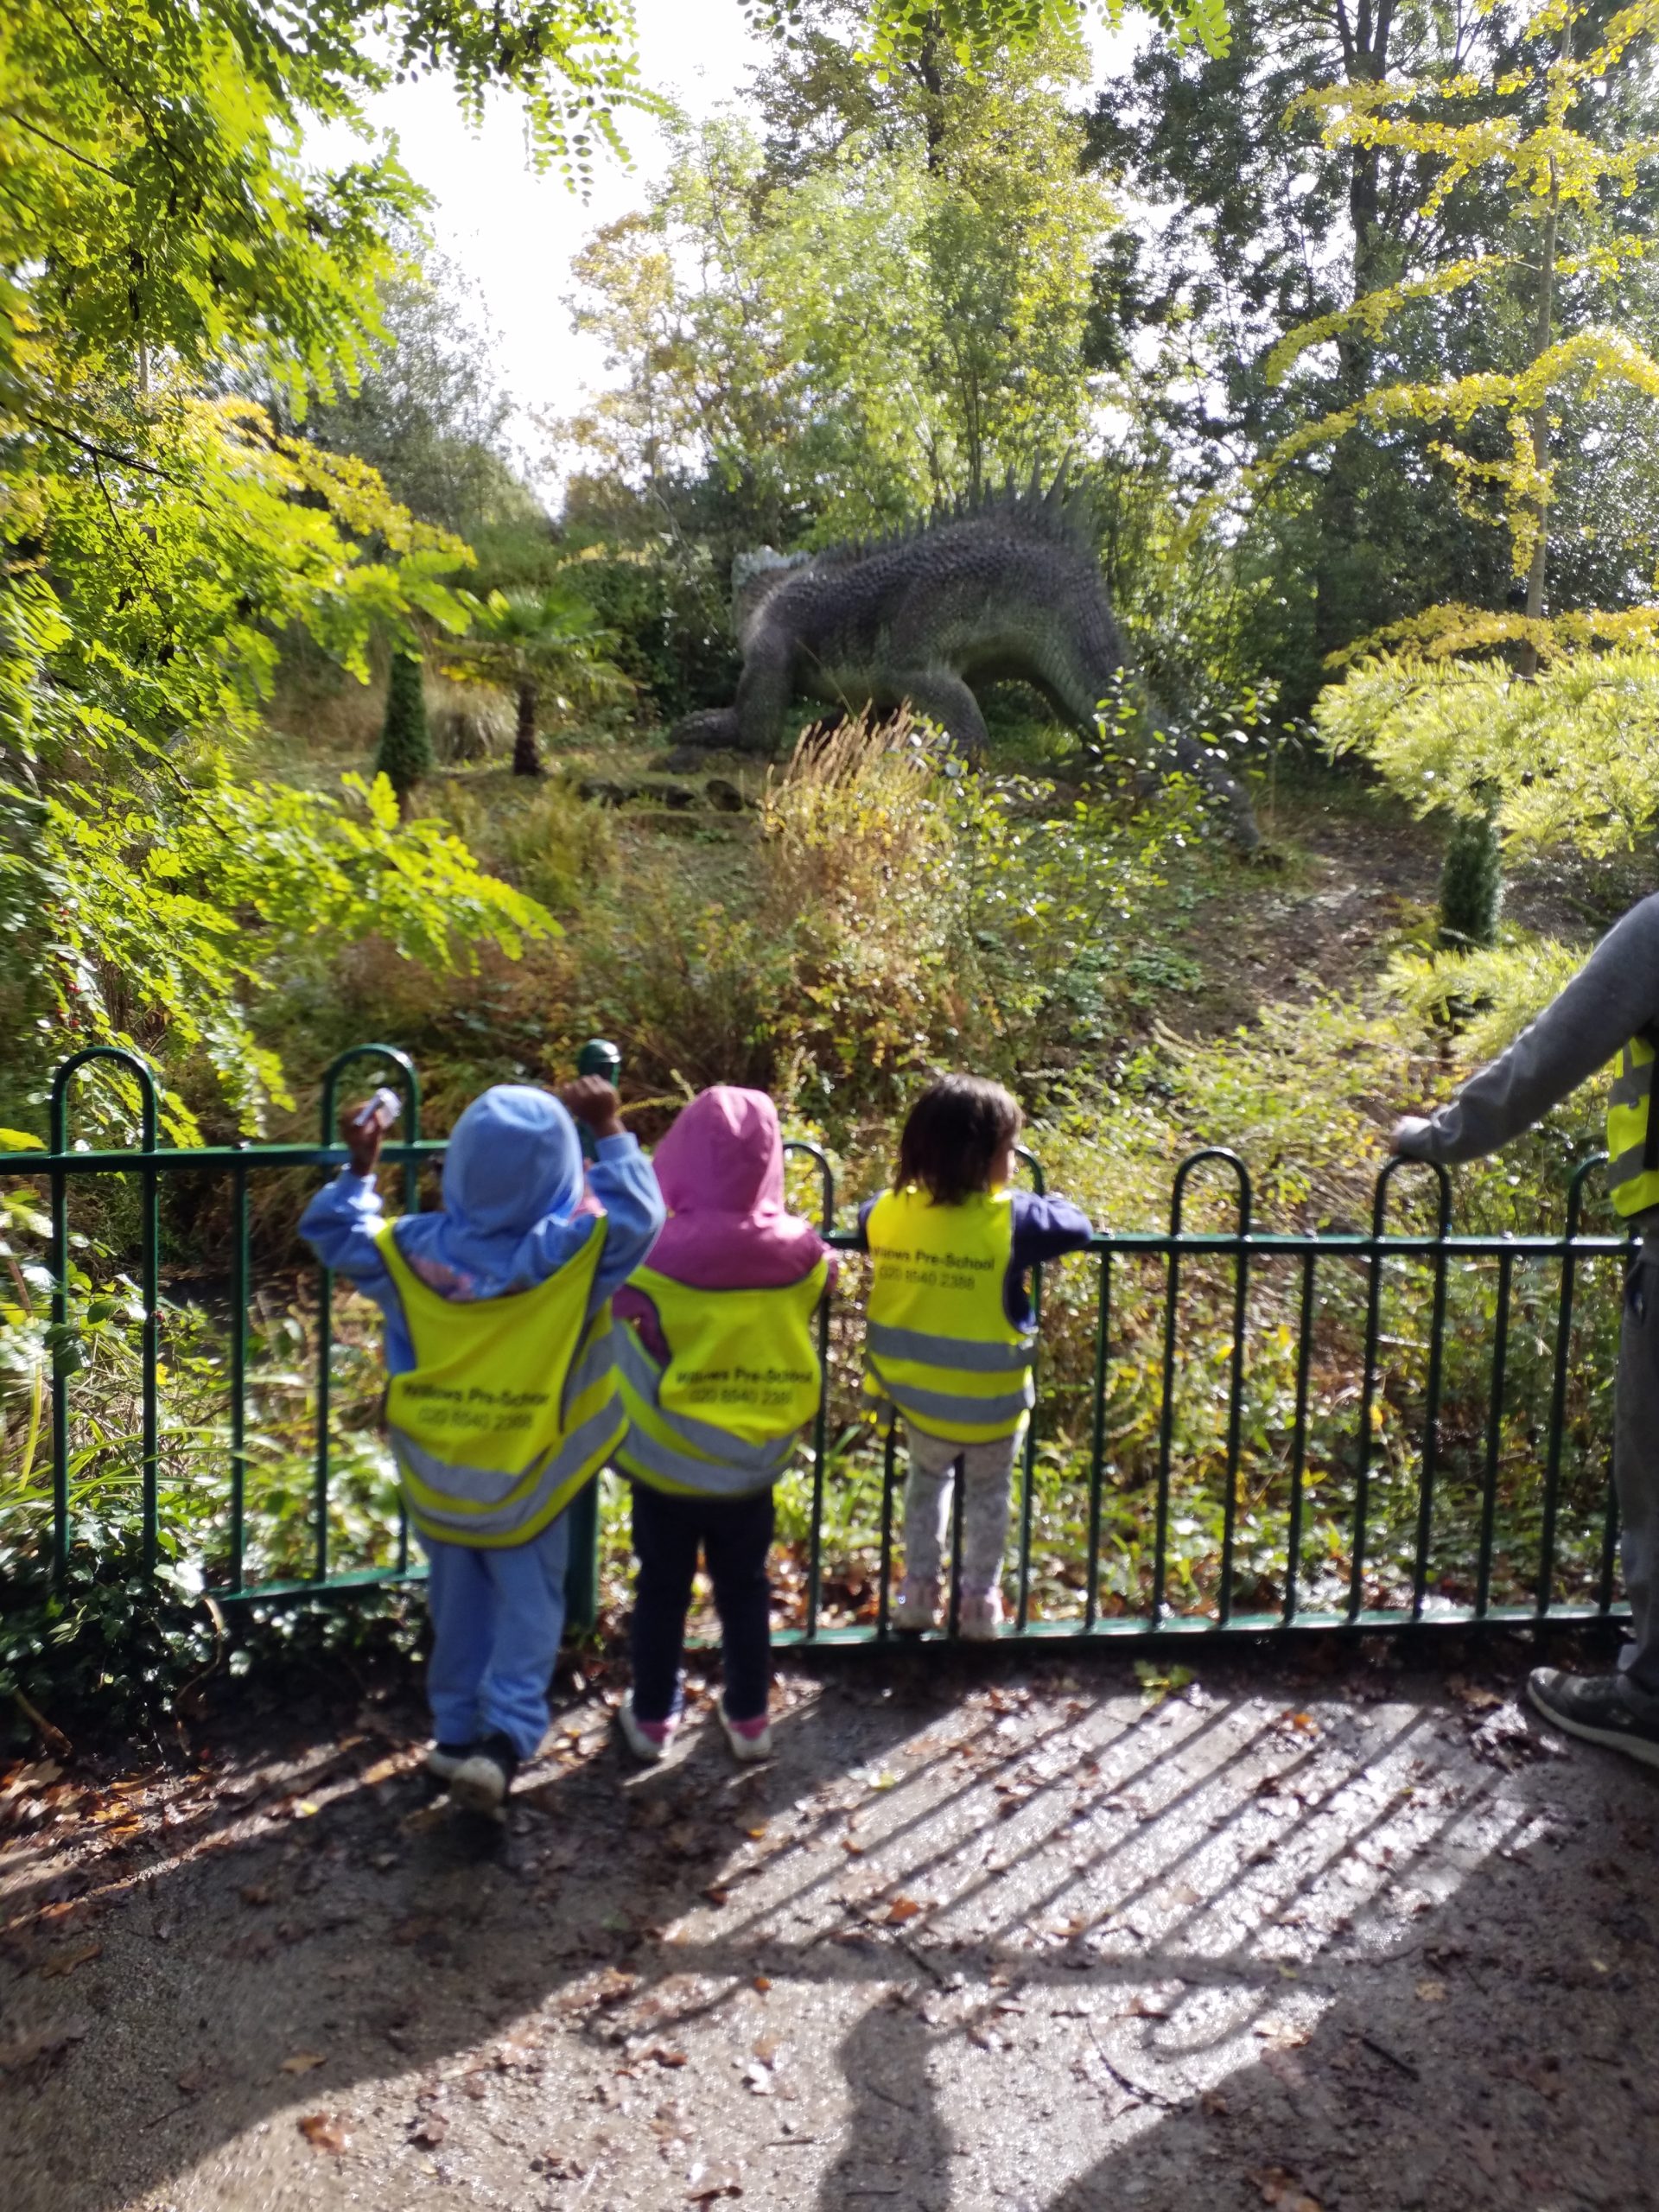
1011,1937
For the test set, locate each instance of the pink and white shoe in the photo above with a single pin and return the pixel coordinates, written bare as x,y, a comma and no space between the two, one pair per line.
750,1739
646,1739
979,1615
917,1607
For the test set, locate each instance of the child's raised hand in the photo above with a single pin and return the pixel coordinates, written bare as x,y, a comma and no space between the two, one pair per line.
592,1100
362,1139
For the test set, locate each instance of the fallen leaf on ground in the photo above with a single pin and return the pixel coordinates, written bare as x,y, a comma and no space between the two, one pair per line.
1432,1992
302,2062
62,1962
324,2133
1470,1694
22,2050
705,2183
901,1909
1282,2190
664,2056
762,1982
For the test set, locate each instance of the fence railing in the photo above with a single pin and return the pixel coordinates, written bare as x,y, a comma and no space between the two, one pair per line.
1235,1429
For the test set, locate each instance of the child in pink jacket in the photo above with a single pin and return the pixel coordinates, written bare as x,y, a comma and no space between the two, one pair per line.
720,1368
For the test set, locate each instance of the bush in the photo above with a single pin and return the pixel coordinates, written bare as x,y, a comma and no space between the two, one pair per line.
405,751
1471,885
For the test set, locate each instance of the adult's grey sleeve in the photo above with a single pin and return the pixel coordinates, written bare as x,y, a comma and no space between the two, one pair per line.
1614,995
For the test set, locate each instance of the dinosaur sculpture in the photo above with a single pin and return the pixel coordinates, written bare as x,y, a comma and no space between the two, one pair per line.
1006,588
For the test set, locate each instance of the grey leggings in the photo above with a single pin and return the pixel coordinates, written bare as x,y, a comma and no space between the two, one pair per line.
987,1481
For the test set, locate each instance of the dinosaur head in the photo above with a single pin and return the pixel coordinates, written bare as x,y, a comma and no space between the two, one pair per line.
755,576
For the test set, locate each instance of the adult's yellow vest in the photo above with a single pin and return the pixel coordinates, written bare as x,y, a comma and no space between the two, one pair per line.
720,1420
1632,1131
938,1343
511,1406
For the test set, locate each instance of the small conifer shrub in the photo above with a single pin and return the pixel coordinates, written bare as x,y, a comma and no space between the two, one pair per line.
1471,885
405,750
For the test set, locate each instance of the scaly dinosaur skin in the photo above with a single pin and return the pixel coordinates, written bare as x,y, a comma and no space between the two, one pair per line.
1006,590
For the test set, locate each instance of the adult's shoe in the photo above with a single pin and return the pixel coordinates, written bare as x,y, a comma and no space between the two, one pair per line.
1599,1708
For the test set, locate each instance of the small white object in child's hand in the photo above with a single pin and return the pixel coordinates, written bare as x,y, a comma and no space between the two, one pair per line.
381,1111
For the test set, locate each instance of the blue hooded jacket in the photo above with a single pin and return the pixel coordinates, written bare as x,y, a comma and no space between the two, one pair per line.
512,1186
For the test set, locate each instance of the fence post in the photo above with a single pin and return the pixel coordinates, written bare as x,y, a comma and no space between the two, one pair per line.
597,1057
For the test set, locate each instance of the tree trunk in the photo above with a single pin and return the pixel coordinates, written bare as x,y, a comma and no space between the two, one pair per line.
1364,42
925,71
1543,330
526,754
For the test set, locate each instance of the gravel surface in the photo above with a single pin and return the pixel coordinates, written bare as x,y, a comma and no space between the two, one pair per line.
1025,1935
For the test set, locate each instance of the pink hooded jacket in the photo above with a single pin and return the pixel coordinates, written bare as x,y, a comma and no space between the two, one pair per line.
720,1171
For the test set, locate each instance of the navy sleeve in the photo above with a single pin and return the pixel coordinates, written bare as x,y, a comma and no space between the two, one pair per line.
1043,1229
863,1243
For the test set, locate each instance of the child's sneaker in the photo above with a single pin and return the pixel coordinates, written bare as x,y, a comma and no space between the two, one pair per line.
917,1605
979,1615
750,1739
482,1780
646,1739
445,1761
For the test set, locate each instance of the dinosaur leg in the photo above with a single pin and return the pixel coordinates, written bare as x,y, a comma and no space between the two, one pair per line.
764,692
945,699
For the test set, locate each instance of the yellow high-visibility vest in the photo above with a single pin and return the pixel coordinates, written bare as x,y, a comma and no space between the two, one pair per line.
939,1345
720,1420
1632,1132
511,1406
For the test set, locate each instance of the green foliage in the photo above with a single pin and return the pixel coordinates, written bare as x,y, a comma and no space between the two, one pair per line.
660,600
200,915
912,33
1471,885
427,411
163,239
829,344
405,755
1567,759
536,642
902,915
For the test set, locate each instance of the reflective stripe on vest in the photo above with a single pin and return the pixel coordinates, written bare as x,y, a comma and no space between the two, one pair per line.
510,1405
1632,1132
939,1345
721,1418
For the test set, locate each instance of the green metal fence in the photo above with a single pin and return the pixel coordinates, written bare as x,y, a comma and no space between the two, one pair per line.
1236,1430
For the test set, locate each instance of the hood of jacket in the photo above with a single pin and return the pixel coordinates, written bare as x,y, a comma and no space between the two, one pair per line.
514,1162
720,1169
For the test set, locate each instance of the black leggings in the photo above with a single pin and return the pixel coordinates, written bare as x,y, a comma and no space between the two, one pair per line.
734,1535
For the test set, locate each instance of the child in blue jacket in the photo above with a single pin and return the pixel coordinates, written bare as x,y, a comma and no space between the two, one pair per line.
502,1401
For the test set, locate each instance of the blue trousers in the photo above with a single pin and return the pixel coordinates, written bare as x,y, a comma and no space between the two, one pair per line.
497,1618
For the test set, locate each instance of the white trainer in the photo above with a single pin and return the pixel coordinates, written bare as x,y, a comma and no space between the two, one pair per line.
750,1740
917,1607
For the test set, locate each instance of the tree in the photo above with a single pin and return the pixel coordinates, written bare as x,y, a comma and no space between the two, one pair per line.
428,412
882,301
913,34
1254,221
405,755
1564,181
157,231
534,640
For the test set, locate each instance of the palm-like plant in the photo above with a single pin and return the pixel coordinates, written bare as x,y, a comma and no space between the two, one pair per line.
532,640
